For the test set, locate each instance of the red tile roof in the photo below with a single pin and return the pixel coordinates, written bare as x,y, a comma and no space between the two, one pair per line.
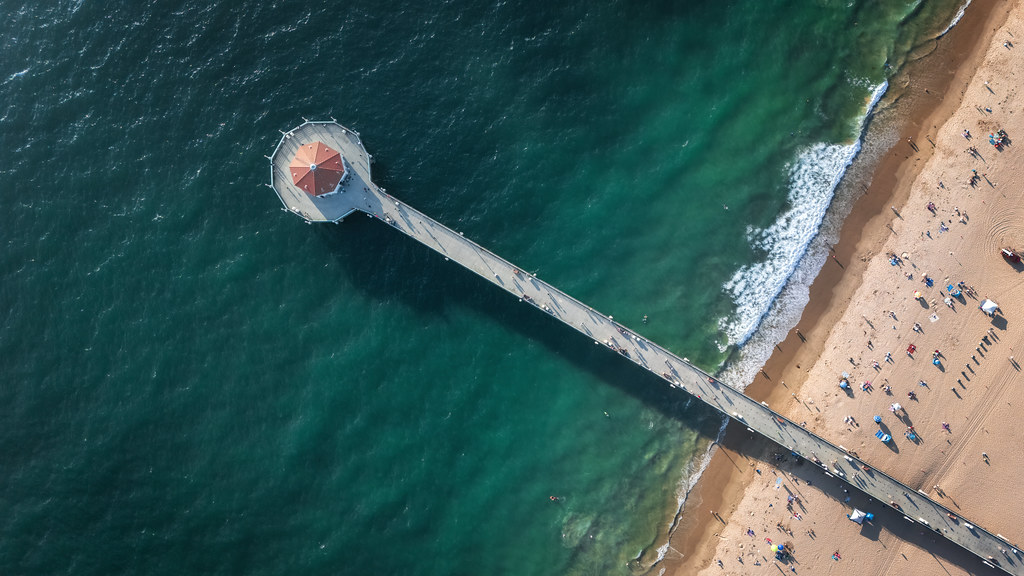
317,168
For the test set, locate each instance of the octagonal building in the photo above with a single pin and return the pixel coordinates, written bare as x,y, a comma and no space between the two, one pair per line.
320,171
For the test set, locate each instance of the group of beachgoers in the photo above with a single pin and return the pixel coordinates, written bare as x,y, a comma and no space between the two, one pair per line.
951,294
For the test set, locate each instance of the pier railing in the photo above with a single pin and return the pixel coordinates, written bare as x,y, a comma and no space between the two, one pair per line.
758,417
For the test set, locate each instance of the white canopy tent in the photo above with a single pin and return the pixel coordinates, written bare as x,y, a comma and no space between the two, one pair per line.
989,307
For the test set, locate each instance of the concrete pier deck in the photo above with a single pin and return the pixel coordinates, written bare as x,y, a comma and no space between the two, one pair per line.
362,195
331,208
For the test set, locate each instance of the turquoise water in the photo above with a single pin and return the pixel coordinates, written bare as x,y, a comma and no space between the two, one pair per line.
194,381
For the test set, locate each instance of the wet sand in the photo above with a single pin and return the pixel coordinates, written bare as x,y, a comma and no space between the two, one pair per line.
938,94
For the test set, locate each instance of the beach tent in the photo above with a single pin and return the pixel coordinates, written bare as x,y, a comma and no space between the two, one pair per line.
857,516
989,307
317,169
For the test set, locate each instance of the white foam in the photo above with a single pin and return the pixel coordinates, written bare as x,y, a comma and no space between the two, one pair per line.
662,550
785,311
694,470
813,178
779,312
17,75
956,19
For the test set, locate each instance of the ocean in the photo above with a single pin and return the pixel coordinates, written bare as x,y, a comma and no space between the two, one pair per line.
194,381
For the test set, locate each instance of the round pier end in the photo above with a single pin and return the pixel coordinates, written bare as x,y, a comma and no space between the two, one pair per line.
321,172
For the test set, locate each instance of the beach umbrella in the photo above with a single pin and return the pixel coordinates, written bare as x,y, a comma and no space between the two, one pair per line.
317,169
878,419
917,293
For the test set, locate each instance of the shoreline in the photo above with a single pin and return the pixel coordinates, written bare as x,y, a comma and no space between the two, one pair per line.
921,98
864,230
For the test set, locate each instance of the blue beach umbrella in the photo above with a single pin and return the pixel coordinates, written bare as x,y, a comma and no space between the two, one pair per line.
878,419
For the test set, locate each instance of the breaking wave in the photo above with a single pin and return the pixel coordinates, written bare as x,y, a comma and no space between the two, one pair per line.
813,178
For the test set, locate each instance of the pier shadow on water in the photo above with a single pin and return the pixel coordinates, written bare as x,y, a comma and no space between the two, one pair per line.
379,261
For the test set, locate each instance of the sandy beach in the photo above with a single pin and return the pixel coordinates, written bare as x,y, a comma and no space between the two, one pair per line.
940,205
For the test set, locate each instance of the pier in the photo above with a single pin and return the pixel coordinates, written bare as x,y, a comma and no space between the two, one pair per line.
357,193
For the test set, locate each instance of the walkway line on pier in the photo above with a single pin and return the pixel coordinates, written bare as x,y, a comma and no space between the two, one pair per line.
758,417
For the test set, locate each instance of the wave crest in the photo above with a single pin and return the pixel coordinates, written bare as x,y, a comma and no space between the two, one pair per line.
813,178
